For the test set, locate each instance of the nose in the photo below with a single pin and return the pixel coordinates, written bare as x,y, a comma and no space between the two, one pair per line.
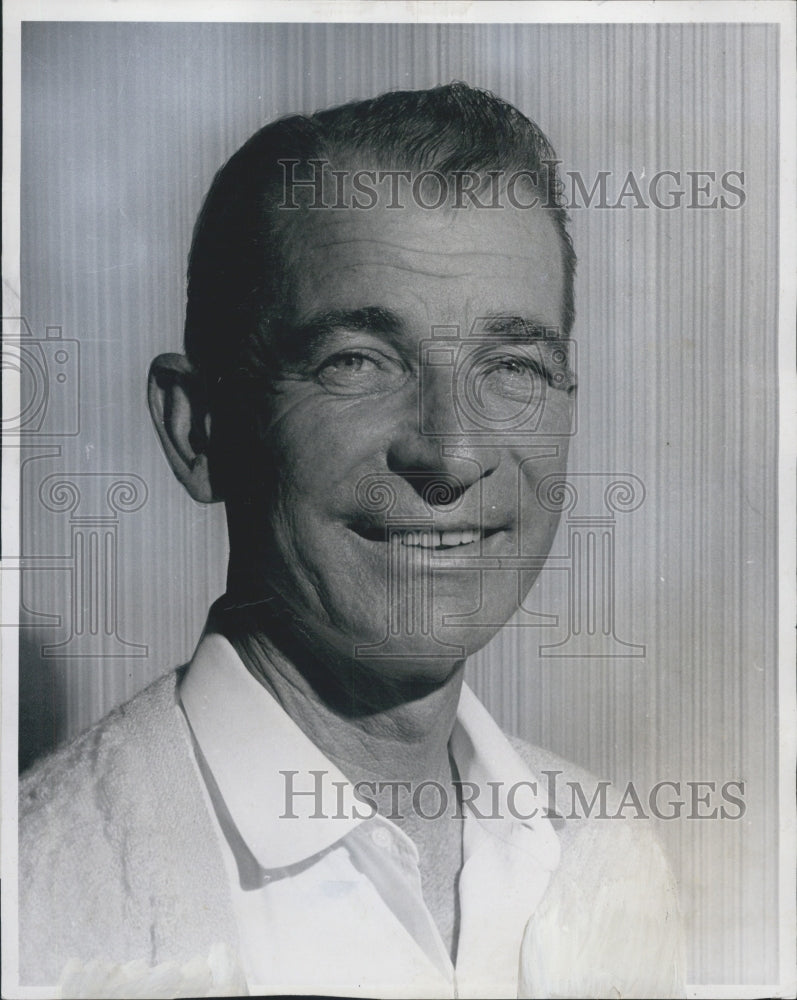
433,450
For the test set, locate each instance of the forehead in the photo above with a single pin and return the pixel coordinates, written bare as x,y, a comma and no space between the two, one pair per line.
444,265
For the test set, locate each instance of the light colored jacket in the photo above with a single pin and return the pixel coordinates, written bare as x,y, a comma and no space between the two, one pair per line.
123,889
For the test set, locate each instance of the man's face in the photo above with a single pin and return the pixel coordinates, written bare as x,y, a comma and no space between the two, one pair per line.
403,477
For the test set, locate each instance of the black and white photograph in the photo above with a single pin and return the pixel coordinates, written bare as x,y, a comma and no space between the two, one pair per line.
398,500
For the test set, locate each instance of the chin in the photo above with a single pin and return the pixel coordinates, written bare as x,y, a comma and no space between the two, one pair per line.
430,659
427,647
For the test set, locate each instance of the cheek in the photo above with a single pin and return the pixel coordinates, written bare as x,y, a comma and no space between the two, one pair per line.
557,416
309,446
320,451
538,496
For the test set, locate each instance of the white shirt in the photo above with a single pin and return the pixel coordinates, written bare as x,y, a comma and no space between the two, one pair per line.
327,898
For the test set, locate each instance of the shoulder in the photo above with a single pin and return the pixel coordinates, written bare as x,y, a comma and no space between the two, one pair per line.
111,750
587,810
114,840
73,804
610,919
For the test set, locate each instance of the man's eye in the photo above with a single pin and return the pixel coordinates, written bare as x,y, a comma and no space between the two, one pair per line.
512,377
518,366
360,373
349,363
520,374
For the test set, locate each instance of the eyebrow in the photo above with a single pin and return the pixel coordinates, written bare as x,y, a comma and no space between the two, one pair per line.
520,327
374,319
301,336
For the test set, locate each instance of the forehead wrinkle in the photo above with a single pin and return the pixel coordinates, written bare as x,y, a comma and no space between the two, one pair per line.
470,260
342,257
403,248
374,265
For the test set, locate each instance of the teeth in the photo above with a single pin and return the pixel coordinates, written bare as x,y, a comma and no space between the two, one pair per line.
439,539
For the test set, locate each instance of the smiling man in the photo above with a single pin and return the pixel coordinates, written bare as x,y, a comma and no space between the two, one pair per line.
377,383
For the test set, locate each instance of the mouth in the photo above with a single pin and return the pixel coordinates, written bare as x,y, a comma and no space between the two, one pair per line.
425,537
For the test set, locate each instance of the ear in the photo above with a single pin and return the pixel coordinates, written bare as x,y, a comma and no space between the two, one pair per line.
179,412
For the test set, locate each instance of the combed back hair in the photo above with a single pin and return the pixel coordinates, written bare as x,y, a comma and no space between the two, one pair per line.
238,286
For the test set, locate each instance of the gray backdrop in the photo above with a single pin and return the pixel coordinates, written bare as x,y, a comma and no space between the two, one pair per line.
123,129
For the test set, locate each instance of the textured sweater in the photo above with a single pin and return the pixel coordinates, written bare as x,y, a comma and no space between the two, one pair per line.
123,890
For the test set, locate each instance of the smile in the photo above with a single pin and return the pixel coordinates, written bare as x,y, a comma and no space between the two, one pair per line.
439,539
424,537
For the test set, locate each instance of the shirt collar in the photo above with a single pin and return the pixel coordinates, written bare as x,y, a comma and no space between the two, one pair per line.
253,749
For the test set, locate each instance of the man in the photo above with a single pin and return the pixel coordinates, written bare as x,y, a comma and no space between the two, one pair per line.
377,385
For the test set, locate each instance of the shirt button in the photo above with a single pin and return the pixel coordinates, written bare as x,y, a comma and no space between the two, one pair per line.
381,837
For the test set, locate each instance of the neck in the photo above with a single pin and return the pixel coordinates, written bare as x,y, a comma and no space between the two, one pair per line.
374,727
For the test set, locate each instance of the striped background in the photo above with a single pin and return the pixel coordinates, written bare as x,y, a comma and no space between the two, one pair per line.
124,126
